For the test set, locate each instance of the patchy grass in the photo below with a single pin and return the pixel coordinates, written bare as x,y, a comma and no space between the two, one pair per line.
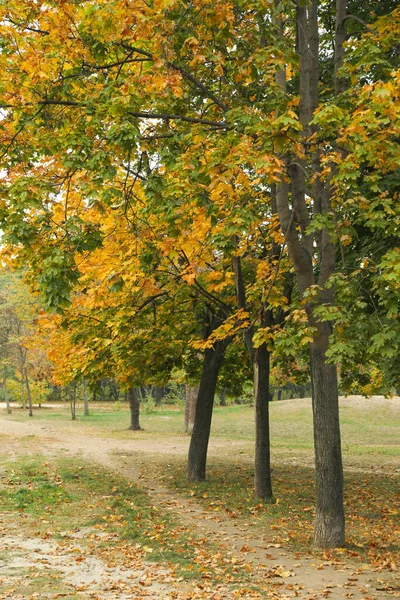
32,488
372,508
35,584
53,500
370,434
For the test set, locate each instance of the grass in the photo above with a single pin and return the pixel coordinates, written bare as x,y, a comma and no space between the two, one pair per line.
32,486
371,504
42,586
370,435
49,500
368,431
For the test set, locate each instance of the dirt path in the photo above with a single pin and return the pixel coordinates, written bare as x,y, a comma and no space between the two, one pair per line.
303,577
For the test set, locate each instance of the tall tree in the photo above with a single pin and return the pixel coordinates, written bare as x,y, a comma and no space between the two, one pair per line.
238,106
313,252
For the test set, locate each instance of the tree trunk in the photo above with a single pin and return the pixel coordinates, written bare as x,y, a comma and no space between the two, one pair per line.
190,406
340,38
196,469
316,249
85,399
280,394
158,394
260,358
329,529
262,475
28,391
72,400
134,405
23,392
222,397
6,398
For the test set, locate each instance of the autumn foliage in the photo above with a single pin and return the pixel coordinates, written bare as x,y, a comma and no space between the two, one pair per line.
181,176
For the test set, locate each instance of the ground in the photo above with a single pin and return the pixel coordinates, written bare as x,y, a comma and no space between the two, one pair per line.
231,545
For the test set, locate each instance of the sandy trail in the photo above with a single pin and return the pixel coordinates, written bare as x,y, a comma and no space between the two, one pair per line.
306,577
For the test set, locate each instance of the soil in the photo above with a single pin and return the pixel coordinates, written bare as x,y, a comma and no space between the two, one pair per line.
304,577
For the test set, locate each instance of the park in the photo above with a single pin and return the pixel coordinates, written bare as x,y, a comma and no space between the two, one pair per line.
199,298
93,510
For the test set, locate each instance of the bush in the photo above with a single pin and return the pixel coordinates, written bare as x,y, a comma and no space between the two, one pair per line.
40,391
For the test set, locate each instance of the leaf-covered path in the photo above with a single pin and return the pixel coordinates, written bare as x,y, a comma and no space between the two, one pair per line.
286,575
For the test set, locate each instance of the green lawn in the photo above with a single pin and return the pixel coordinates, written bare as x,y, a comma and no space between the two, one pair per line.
367,428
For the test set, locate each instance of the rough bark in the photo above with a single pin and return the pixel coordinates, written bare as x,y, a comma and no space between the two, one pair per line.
318,248
329,531
5,388
197,458
191,394
262,472
134,405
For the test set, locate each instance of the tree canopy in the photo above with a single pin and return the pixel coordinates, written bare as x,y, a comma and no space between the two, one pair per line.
179,174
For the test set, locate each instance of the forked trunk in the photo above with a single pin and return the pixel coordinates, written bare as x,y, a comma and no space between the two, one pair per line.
311,249
196,469
262,470
329,529
134,405
191,394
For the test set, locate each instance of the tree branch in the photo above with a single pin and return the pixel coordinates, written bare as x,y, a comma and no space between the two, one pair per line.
172,117
358,20
119,63
27,28
187,75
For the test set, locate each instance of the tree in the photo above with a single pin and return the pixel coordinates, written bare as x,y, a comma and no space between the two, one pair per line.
85,398
134,404
310,243
310,201
58,271
191,394
234,97
21,346
5,332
